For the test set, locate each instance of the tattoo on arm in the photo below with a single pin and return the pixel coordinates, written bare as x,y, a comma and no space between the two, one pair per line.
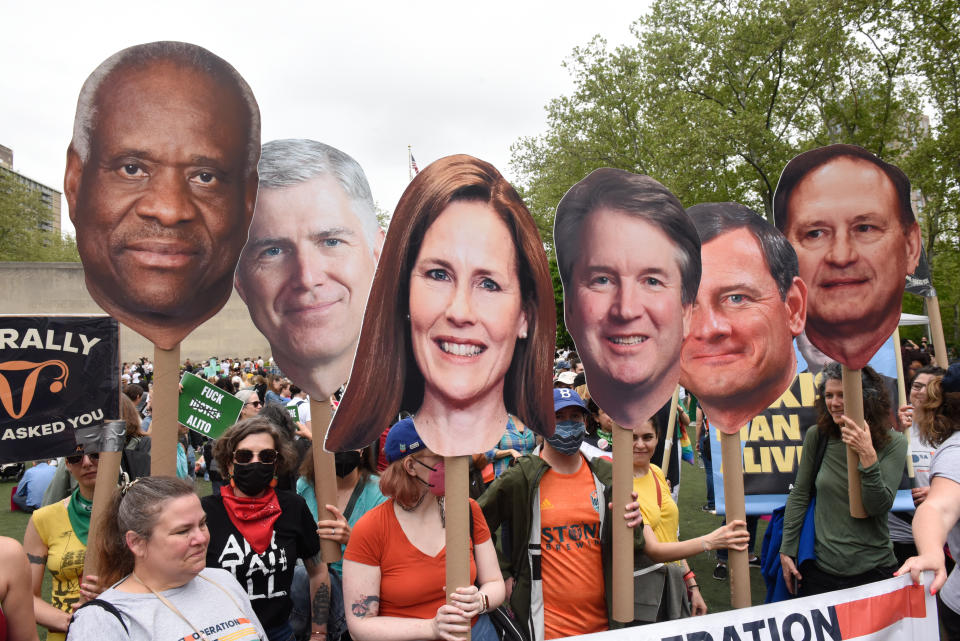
366,606
321,605
37,560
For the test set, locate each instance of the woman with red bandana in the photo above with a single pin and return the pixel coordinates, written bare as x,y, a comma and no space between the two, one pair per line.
258,533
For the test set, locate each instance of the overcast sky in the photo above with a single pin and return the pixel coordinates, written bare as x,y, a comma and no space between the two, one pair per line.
444,77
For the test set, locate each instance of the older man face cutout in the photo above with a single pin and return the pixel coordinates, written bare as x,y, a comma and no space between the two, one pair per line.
162,198
855,248
307,268
738,357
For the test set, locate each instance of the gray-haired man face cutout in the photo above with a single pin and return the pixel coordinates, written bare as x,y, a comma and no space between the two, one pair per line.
305,275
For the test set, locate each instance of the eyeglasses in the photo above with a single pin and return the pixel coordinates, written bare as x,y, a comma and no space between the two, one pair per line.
264,456
255,404
73,459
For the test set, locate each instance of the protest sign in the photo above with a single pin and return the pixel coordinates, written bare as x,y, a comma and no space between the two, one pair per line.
57,373
294,410
888,610
205,408
772,442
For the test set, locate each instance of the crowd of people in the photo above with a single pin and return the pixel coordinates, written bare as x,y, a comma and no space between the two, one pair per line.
253,544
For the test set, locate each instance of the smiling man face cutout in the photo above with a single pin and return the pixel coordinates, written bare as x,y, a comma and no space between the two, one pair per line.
738,357
306,270
629,260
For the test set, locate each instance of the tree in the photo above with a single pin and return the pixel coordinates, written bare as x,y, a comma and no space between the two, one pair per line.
564,340
714,98
933,161
24,226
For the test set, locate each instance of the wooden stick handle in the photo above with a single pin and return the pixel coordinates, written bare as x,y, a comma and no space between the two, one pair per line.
853,407
165,403
324,473
738,563
936,329
671,431
108,471
622,535
457,523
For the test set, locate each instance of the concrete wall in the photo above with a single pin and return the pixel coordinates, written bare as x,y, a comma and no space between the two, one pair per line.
59,288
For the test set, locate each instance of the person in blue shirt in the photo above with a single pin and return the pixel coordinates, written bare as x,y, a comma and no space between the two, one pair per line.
29,494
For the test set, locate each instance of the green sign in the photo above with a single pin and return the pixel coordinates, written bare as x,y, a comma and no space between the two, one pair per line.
294,411
206,408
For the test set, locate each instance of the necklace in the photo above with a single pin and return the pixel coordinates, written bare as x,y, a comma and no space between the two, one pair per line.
176,611
415,505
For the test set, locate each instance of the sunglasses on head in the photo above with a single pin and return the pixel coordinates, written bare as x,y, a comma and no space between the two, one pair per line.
73,459
246,456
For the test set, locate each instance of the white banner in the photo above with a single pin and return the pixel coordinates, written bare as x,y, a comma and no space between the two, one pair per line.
893,610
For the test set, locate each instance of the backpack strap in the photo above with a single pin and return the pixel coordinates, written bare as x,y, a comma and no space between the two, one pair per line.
106,605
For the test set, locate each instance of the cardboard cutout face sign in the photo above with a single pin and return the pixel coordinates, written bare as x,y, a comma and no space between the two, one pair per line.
459,329
629,260
306,270
161,182
848,215
738,357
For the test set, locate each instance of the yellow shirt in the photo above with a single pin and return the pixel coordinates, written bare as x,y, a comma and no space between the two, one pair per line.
662,516
65,555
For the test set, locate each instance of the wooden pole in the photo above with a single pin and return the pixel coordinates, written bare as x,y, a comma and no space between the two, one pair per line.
324,473
457,522
108,471
853,408
671,431
901,382
902,396
622,535
936,329
738,563
166,395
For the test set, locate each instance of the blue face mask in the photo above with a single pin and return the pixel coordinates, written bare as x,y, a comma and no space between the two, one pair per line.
568,436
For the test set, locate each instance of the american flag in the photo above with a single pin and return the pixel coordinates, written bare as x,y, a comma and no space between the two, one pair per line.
413,165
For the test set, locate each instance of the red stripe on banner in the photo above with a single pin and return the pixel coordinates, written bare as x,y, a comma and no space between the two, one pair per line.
866,616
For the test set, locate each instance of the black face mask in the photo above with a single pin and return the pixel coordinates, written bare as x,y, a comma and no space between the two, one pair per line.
346,462
252,478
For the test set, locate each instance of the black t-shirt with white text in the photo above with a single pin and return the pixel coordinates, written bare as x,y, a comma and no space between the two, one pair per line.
266,577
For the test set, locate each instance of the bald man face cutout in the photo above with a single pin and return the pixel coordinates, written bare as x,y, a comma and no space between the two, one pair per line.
163,197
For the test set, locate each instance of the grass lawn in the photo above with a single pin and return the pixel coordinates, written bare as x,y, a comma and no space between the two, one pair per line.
693,523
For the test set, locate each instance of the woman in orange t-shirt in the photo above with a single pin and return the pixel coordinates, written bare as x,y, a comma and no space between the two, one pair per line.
394,564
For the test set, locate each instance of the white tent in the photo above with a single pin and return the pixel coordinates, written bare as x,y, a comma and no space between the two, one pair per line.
913,319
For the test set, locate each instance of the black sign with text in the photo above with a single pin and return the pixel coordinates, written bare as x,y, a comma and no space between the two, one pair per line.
57,373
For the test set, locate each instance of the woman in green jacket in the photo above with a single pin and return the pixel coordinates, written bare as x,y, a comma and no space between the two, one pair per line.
849,551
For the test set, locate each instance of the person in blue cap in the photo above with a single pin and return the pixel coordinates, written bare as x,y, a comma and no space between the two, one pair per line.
554,509
394,564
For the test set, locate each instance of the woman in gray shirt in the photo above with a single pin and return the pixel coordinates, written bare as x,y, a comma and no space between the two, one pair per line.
937,520
152,548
